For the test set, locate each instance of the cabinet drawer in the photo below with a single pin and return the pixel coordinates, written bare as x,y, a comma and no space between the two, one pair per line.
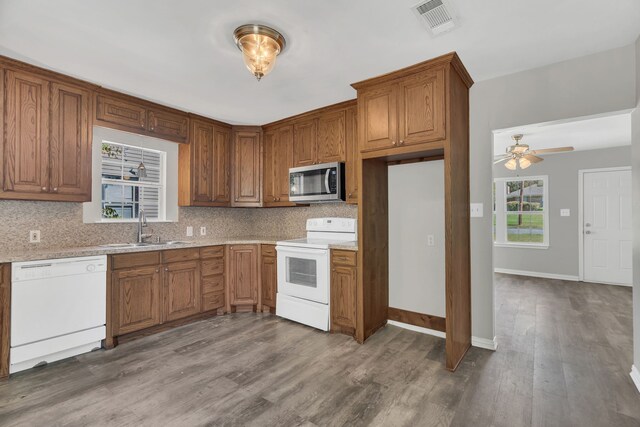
176,255
212,252
213,266
269,250
213,284
212,300
137,259
344,257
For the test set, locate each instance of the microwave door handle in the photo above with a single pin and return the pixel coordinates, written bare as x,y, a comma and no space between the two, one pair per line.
326,180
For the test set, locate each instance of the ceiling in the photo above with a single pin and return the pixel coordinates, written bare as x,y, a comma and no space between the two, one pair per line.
181,53
586,134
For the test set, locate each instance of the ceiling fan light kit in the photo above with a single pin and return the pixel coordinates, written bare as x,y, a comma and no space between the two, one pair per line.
260,46
520,156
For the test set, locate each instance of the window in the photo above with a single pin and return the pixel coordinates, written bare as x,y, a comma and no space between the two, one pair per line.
127,187
520,211
118,191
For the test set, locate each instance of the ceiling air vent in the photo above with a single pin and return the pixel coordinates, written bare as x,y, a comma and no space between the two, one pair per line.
437,15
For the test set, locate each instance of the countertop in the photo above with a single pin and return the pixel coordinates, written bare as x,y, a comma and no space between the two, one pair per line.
42,254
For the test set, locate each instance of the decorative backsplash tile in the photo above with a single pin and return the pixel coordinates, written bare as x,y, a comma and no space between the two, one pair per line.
61,225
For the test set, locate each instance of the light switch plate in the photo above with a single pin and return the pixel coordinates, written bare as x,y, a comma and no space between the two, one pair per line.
431,241
189,231
477,210
565,212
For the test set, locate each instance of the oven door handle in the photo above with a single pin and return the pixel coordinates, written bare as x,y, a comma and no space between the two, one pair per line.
326,180
294,250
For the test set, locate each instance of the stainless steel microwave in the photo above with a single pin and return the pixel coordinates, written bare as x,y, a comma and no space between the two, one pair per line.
317,183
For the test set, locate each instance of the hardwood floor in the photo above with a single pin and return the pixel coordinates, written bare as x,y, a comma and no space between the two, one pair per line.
563,359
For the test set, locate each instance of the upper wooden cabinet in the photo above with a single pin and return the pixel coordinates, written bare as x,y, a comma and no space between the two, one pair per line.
134,115
204,165
405,110
305,143
247,167
46,145
277,159
331,137
352,161
243,275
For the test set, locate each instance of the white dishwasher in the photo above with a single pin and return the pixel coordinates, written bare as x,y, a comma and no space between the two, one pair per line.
58,309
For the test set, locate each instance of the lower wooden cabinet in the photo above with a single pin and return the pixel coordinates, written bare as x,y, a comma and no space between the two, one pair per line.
343,291
213,278
243,275
269,276
5,318
136,299
182,295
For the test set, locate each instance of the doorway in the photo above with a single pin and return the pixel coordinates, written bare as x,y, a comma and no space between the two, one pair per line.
606,230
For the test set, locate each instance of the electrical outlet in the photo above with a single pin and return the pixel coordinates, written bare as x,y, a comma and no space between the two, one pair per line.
565,212
431,240
203,231
34,236
189,231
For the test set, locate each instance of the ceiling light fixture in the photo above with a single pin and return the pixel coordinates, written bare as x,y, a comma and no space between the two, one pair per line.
260,45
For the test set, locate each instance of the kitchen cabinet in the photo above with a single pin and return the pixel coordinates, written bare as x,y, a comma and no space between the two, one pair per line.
204,165
213,278
409,110
243,275
126,113
331,137
269,276
343,291
182,294
247,168
137,299
5,318
277,159
352,159
47,143
305,142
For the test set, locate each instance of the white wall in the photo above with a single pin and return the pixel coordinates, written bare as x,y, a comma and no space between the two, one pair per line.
635,137
416,210
594,84
562,256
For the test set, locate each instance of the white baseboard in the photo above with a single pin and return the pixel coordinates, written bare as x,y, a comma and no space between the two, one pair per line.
485,343
475,341
537,274
417,329
635,376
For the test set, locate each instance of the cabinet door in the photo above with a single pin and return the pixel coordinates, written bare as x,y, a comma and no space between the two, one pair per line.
26,149
283,161
182,294
168,125
378,118
352,164
269,178
202,151
331,137
269,280
305,143
246,163
421,108
243,275
136,299
343,298
70,144
221,166
113,111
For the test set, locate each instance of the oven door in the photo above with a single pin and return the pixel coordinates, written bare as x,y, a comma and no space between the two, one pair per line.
304,273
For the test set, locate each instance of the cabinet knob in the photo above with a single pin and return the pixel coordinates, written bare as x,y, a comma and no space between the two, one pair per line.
157,270
55,189
401,141
393,142
44,188
166,269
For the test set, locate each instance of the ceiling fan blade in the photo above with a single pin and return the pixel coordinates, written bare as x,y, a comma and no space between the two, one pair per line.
551,150
502,159
533,159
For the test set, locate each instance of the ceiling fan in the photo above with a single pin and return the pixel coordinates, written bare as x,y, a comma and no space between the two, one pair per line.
520,154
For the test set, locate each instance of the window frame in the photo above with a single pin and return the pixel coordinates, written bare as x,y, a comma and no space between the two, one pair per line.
161,185
500,213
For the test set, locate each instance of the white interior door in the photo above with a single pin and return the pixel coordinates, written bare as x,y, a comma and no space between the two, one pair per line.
607,227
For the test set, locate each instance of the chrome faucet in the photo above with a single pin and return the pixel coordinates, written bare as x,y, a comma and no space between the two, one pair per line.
142,222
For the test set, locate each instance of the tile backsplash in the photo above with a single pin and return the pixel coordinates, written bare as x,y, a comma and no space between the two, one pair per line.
61,225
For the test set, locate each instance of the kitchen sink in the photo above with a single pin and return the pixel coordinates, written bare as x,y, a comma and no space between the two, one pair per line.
136,245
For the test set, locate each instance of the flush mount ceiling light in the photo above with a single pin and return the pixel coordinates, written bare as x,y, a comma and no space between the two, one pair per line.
260,45
519,155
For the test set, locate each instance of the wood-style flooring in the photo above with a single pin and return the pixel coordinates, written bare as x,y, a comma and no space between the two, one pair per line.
563,359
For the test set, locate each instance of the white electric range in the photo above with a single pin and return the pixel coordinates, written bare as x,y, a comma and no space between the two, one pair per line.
303,270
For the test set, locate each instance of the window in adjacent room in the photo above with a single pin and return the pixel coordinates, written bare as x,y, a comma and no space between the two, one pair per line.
521,211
